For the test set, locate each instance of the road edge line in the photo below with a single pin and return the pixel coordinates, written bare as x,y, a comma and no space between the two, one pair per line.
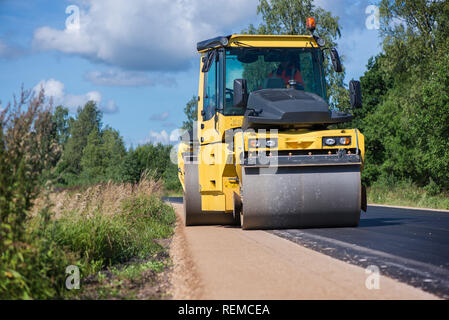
404,207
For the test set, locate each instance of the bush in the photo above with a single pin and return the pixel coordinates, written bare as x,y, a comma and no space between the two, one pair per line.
155,158
102,240
100,234
27,149
35,247
407,193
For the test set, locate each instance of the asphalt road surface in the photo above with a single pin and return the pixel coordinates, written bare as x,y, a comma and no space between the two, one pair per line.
408,245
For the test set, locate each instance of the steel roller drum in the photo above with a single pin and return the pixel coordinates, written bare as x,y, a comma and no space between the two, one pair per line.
193,215
301,197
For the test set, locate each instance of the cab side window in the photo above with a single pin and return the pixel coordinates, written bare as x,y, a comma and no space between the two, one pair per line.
210,91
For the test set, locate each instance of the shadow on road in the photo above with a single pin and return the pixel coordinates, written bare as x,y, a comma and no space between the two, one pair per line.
381,222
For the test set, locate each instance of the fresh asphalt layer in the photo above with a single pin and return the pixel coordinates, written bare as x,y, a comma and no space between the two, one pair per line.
409,245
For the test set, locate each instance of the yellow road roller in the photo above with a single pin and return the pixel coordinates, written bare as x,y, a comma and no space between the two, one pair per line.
265,152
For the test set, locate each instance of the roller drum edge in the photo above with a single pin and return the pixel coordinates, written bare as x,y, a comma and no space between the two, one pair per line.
193,215
301,197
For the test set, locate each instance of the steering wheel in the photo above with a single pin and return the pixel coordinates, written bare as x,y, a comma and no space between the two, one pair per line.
231,93
299,86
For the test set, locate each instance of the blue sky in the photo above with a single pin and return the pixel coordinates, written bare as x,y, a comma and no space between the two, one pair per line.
137,58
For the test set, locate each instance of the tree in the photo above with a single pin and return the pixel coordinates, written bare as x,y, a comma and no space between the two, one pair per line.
289,17
27,148
29,260
130,170
114,153
62,123
87,119
420,19
375,84
191,112
412,33
93,159
406,105
152,158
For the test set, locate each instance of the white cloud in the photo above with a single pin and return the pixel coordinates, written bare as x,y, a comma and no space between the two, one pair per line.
128,79
54,89
175,134
160,116
146,34
110,107
158,137
163,137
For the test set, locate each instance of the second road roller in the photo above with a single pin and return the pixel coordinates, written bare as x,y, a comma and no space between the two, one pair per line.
267,151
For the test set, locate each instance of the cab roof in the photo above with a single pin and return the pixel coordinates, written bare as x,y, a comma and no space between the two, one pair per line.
251,40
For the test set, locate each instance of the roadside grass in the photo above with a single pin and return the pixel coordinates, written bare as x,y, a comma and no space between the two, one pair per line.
103,240
407,194
133,271
136,279
116,238
173,194
99,229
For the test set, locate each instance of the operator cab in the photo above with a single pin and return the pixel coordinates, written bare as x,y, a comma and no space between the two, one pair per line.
273,81
273,68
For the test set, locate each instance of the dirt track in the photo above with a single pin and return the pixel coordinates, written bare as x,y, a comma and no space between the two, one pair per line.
227,263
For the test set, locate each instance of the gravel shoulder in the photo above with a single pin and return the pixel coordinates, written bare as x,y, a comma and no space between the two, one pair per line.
215,262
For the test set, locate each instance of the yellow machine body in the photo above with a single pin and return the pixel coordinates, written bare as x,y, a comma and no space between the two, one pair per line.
220,172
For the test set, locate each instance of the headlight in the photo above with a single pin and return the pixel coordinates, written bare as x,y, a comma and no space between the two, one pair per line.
271,143
330,141
336,141
344,141
262,143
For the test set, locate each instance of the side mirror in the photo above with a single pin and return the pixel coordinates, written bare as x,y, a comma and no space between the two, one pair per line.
240,93
336,62
355,94
208,59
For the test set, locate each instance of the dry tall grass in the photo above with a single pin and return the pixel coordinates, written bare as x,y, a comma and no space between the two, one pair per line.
104,197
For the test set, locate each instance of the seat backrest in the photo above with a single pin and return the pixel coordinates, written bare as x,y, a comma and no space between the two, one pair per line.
273,83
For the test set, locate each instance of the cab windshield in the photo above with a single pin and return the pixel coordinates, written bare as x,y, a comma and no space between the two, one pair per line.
274,68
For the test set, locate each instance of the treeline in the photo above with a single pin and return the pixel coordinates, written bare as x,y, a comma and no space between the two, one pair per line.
38,145
405,114
91,153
